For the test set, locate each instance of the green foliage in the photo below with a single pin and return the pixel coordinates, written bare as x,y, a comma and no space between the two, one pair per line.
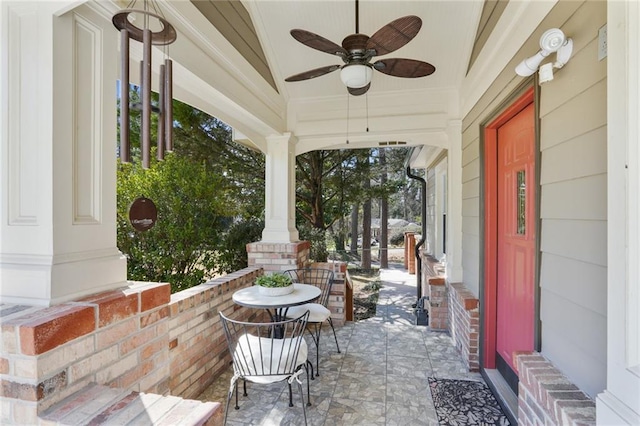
375,285
193,210
397,239
232,254
205,139
317,238
274,280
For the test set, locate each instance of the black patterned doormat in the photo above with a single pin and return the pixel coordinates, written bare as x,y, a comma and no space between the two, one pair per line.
465,402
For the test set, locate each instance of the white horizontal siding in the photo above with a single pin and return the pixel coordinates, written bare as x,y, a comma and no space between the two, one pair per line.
573,239
578,116
471,207
471,225
587,154
576,362
471,189
471,171
583,198
470,153
584,240
579,347
580,282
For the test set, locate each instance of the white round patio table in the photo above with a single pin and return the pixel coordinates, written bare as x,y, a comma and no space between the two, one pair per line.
252,298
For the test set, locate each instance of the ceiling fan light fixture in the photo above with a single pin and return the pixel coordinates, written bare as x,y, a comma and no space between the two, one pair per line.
356,76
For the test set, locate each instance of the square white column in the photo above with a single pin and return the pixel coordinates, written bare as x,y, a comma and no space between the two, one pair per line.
280,190
454,200
57,154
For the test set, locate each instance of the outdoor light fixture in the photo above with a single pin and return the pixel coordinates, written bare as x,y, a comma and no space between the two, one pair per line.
356,76
551,41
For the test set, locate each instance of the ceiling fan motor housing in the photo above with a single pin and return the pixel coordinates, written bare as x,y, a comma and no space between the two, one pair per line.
355,42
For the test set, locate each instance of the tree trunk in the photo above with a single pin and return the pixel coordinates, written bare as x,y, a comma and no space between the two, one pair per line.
354,229
384,214
339,236
366,228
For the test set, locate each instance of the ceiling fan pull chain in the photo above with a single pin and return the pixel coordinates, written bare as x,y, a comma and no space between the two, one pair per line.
366,99
347,118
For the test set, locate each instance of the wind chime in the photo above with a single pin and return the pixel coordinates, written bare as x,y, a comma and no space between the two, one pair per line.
164,37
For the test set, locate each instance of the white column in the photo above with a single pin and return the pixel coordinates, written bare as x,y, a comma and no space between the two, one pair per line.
280,190
454,200
57,154
620,403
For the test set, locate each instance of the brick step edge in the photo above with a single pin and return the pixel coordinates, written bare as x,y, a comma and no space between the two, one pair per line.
101,405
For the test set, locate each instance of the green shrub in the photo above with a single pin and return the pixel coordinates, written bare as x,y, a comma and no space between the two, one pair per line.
232,253
193,212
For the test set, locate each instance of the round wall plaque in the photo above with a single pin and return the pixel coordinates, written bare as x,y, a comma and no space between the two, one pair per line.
143,214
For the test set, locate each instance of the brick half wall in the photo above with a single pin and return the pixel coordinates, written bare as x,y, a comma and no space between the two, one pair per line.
197,347
547,397
464,323
138,338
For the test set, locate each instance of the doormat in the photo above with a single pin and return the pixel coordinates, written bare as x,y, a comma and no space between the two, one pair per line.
465,402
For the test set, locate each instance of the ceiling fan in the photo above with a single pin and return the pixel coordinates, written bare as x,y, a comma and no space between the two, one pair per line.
357,50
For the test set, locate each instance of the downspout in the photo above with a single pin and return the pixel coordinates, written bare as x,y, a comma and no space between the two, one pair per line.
423,194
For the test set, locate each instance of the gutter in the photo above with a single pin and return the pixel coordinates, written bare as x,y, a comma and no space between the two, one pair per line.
423,195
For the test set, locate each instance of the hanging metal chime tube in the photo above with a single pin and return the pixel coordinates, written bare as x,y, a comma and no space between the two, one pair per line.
146,99
161,113
168,104
125,147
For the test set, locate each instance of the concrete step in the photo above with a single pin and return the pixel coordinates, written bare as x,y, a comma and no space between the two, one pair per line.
101,405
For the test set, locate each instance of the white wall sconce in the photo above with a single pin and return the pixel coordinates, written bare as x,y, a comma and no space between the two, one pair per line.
551,41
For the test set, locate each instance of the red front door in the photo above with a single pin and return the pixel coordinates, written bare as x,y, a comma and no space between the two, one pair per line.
516,236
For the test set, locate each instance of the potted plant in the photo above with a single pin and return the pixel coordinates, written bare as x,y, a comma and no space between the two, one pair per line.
275,284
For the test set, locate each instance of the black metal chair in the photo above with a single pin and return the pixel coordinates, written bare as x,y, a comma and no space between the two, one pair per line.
318,312
260,357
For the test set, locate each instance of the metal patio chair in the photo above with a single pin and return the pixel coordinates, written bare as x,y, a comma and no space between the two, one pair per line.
318,312
260,356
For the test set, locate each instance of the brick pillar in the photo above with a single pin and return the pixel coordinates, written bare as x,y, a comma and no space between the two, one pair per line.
273,257
438,304
410,252
340,305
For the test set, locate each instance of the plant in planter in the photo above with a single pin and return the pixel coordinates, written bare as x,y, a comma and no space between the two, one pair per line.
275,284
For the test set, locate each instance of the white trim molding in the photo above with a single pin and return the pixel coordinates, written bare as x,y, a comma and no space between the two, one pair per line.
620,402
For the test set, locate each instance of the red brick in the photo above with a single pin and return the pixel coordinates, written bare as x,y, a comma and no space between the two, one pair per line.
470,304
152,348
436,281
23,391
4,366
137,340
50,331
116,333
154,297
133,376
113,306
153,317
52,385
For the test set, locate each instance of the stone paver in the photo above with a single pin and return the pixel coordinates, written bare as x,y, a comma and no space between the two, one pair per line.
380,378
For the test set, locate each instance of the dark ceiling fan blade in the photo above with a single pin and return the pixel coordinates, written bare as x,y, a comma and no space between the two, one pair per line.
359,91
307,75
318,42
408,68
394,35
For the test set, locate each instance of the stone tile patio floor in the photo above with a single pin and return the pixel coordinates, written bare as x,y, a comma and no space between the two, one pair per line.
379,378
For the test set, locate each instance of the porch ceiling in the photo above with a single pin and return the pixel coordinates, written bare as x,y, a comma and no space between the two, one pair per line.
215,76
